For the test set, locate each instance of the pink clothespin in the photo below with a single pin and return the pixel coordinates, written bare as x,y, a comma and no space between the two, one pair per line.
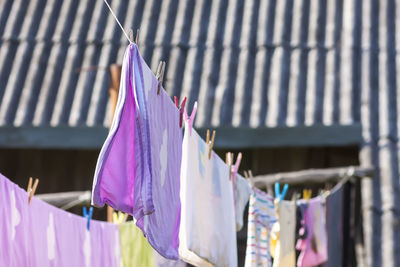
181,109
191,119
235,167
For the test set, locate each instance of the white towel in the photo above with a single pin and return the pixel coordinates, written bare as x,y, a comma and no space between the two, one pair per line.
207,233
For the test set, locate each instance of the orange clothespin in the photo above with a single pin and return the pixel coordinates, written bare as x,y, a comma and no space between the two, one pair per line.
210,143
160,75
307,193
31,190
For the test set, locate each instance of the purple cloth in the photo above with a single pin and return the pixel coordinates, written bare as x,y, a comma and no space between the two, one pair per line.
138,170
114,181
42,235
162,151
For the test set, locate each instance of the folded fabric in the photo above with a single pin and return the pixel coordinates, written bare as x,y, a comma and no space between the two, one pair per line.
42,235
285,253
139,166
260,221
243,192
207,234
314,246
114,181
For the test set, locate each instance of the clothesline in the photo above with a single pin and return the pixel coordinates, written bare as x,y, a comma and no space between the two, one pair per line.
66,200
315,176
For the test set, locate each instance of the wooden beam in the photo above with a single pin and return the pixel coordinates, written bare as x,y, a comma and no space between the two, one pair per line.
313,176
115,72
299,136
80,137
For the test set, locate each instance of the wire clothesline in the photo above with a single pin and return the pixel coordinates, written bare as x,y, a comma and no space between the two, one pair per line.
115,17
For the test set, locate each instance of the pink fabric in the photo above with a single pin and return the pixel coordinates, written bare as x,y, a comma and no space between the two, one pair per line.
314,246
42,235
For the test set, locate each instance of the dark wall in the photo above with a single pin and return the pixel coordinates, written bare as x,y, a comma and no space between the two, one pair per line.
72,170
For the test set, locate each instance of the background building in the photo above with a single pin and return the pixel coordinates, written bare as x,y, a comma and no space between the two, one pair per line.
294,84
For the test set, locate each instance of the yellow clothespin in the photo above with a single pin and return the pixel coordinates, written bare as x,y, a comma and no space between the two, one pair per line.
160,75
119,217
307,193
31,190
211,143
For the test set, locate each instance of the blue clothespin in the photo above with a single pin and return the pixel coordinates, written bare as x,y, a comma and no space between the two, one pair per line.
88,215
278,195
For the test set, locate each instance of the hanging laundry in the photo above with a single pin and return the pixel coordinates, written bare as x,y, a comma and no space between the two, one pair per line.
114,180
314,246
39,234
243,192
145,177
334,227
261,218
135,249
160,261
207,233
283,234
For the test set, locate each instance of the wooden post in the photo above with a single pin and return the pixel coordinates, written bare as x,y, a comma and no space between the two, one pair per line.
115,71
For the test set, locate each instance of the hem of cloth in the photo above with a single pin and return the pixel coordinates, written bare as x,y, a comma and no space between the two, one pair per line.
156,247
192,258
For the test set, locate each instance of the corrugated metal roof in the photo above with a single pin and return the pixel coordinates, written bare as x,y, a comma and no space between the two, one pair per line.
256,63
248,63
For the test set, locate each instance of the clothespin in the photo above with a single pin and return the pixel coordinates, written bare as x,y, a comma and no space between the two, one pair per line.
88,216
31,190
278,195
307,193
160,75
137,37
250,174
246,175
235,167
190,119
210,143
131,36
228,161
181,109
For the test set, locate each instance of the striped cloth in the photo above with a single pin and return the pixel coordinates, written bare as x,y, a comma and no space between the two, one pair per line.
261,218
